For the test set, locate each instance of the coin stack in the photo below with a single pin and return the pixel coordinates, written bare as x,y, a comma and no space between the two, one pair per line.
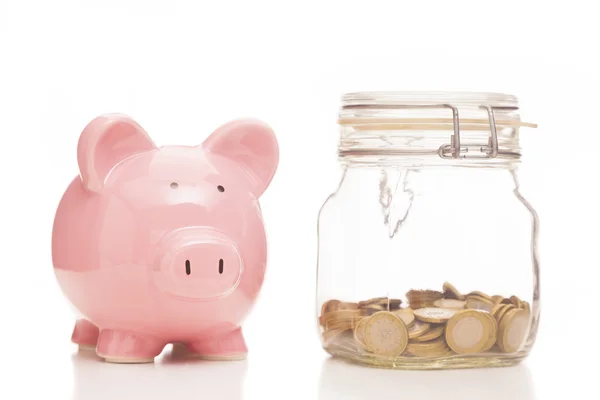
433,324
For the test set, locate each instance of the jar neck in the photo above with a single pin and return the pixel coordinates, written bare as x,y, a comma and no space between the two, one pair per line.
476,182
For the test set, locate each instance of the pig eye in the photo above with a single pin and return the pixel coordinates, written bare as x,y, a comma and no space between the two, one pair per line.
220,188
174,185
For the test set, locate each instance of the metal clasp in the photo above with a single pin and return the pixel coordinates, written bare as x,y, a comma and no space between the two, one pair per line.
456,150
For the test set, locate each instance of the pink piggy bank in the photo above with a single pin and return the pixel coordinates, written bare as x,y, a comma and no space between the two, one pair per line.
157,245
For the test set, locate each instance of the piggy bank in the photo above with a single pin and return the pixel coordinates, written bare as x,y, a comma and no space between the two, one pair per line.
157,245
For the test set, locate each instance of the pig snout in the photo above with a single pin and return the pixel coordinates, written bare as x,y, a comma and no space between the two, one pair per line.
197,263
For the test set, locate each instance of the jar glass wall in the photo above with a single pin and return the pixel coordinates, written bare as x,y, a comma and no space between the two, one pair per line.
427,258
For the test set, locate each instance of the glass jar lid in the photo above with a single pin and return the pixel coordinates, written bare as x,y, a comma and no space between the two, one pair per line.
478,125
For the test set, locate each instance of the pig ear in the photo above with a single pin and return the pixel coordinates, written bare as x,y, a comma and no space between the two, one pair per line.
106,141
250,143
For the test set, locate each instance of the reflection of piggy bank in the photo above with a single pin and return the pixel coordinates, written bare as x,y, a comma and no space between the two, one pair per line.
161,245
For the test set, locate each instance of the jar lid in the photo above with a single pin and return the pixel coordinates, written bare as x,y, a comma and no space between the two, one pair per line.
435,111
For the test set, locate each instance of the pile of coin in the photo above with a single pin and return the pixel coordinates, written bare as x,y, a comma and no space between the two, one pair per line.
433,324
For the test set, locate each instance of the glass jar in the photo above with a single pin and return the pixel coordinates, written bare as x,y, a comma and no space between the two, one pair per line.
427,252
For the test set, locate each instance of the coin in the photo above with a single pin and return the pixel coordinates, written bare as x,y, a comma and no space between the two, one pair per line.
376,307
347,306
497,299
434,314
469,331
450,303
330,305
516,301
477,293
417,329
427,349
432,333
386,334
479,303
492,338
502,311
341,315
359,331
450,292
375,300
497,308
406,315
512,330
443,351
525,306
422,298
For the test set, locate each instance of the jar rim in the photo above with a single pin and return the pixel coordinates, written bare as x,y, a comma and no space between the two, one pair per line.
388,99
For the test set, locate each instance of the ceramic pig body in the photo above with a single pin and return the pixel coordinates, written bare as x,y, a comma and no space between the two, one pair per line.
164,245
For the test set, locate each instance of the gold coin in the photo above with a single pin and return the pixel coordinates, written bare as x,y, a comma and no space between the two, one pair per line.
434,314
497,299
427,349
359,331
492,337
479,303
330,305
469,331
386,334
339,324
341,315
344,323
516,301
450,303
422,298
525,306
376,307
497,308
450,292
347,306
417,329
406,315
477,293
512,330
385,302
502,311
443,351
432,333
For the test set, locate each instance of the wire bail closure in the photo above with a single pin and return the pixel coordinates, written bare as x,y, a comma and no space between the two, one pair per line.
455,149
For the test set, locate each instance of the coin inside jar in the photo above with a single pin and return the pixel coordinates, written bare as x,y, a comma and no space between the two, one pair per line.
434,315
450,303
359,331
512,330
450,292
432,333
406,315
470,331
417,329
478,303
386,334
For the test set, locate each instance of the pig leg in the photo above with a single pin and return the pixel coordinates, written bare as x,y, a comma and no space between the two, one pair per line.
85,334
126,347
230,346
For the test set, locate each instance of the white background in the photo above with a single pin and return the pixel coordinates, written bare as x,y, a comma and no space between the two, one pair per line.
181,68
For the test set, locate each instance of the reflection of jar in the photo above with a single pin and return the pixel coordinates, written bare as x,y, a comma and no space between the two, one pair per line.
427,250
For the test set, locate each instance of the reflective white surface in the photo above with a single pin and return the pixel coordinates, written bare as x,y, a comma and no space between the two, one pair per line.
175,378
167,378
340,380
